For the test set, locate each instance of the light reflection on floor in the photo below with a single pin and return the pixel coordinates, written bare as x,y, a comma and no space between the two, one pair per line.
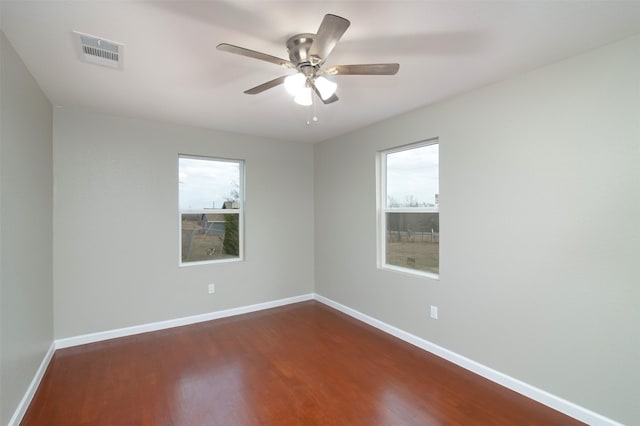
222,386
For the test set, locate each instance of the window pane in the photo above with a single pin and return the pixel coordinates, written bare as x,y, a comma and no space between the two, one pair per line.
413,241
410,236
412,177
210,207
210,237
207,184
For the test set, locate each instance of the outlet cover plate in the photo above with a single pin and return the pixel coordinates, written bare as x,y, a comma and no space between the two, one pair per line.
434,312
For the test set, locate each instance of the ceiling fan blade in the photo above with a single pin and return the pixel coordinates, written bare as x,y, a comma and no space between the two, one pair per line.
331,30
329,100
265,86
364,69
256,55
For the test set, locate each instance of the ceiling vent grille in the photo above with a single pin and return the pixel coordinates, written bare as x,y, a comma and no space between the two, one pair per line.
99,51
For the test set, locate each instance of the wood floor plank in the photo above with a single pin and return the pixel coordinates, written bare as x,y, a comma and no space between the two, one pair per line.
301,364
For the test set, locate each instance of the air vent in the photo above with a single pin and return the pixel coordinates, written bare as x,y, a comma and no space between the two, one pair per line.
99,51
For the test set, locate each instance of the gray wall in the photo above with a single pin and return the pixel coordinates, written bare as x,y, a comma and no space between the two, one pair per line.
116,223
26,299
540,228
539,200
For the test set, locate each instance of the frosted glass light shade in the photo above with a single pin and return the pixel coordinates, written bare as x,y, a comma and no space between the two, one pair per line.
303,97
295,83
325,87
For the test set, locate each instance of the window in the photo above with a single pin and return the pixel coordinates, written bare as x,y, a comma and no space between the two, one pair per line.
210,204
409,218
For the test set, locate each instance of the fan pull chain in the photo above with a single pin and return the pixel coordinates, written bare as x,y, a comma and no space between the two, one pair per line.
311,119
313,104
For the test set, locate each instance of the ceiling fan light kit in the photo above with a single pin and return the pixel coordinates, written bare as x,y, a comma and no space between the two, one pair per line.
300,86
294,83
326,87
303,97
307,54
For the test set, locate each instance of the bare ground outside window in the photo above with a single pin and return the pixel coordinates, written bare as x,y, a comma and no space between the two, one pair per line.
413,250
203,238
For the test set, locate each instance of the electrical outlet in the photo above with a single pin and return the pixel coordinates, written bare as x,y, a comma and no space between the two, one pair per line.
434,312
212,288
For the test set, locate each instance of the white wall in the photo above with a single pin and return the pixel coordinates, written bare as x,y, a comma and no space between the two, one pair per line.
26,194
540,228
116,218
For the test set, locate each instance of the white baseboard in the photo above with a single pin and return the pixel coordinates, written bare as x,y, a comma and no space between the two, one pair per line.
128,331
33,387
161,325
539,395
550,400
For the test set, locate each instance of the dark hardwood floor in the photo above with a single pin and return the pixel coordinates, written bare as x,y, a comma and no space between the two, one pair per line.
302,364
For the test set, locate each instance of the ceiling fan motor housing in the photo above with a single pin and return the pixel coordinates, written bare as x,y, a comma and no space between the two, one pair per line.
298,47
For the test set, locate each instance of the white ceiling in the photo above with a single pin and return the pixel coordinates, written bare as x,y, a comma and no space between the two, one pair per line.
173,72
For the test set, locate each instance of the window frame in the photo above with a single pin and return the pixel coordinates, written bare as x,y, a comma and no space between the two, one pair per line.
383,209
239,211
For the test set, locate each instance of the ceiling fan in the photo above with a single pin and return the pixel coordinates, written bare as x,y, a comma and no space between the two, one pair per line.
307,54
